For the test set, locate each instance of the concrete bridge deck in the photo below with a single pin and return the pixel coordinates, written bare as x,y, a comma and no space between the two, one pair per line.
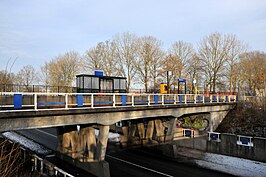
38,110
80,147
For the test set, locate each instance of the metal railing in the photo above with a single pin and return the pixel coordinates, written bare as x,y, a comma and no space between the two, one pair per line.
40,101
46,168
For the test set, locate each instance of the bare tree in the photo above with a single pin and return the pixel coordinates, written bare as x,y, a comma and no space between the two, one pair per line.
44,76
181,53
27,76
169,64
101,57
125,51
63,68
10,162
194,70
232,62
93,58
6,76
253,68
213,52
149,56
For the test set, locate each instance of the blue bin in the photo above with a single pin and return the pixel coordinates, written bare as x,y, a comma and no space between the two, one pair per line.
226,98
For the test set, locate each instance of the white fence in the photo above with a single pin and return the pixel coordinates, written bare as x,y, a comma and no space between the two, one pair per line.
37,101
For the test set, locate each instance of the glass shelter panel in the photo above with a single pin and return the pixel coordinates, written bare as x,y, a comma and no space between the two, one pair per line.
95,83
87,82
122,84
116,84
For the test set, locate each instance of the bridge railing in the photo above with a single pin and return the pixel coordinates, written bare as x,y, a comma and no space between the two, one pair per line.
37,101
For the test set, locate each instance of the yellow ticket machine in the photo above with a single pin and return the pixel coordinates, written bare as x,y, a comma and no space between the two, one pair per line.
163,88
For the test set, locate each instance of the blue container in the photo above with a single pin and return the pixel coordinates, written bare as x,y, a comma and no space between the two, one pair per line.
226,98
98,73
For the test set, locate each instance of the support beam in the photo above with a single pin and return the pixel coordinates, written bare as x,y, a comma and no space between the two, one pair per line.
102,142
149,131
88,143
171,130
159,130
80,148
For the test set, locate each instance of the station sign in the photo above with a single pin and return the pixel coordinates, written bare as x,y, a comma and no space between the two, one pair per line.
182,80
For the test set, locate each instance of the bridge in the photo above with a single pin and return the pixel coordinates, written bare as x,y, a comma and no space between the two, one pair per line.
151,117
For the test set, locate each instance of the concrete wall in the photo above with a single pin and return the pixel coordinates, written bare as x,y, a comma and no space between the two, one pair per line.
227,146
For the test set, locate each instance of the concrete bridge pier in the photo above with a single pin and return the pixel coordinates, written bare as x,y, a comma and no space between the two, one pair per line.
82,149
154,131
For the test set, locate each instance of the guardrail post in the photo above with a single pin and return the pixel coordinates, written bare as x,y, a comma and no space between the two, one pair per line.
113,100
149,100
203,99
175,99
162,99
195,99
35,102
92,100
217,98
66,100
185,99
132,100
210,98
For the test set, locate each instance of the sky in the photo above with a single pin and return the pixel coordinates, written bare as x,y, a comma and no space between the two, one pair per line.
33,32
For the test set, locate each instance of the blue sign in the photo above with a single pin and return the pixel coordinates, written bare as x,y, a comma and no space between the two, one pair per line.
98,73
182,80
